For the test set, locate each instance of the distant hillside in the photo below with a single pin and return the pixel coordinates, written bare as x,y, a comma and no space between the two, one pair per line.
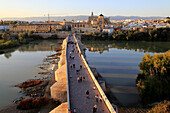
69,18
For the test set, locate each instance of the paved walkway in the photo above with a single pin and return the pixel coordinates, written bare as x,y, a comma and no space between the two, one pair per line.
78,90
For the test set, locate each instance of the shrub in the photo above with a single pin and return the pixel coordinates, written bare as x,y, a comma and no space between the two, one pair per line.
163,107
29,83
31,103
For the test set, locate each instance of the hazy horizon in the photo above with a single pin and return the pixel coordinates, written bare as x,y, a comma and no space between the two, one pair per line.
83,15
75,18
41,8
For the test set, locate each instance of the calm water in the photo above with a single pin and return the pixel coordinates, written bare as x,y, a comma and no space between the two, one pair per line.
19,65
118,63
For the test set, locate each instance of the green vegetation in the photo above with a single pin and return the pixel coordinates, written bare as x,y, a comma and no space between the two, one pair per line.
160,34
163,107
97,36
153,82
5,36
7,22
22,38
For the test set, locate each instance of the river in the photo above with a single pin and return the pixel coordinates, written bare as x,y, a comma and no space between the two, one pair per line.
118,63
21,64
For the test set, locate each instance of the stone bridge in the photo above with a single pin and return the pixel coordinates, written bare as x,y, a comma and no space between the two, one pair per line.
70,91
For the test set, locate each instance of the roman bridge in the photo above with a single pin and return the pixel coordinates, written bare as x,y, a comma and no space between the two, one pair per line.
69,90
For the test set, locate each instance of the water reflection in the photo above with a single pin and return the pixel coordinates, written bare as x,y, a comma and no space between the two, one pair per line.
45,45
20,64
100,46
41,45
118,64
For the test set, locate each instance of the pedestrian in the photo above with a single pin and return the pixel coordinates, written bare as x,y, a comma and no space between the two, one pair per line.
94,108
97,98
80,66
77,71
73,65
87,93
78,79
83,78
100,98
74,110
73,57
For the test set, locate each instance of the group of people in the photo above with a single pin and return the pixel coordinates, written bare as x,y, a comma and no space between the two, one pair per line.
98,98
80,78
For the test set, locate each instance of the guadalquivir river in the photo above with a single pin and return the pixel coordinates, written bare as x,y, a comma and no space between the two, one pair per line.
118,62
21,64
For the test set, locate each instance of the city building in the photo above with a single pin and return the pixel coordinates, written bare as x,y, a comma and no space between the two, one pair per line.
98,20
94,24
48,26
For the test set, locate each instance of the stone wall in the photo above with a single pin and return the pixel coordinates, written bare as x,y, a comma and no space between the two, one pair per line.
59,88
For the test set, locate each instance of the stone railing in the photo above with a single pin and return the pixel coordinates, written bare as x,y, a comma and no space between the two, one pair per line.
68,91
105,99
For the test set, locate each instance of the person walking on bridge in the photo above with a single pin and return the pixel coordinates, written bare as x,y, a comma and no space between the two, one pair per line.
97,98
94,108
87,93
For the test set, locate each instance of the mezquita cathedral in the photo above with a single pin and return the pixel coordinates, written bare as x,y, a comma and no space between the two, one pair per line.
98,20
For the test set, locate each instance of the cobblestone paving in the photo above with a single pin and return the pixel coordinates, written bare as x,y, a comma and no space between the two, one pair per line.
78,90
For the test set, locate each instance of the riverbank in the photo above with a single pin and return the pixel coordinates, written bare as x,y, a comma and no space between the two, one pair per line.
36,88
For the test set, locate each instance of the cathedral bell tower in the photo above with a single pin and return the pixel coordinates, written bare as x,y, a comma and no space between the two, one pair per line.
91,13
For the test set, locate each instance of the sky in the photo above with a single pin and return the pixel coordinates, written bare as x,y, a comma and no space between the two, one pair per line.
40,8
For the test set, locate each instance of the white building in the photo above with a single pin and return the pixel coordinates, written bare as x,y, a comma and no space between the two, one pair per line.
110,31
4,27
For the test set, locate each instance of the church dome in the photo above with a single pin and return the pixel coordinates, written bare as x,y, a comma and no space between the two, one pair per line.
101,15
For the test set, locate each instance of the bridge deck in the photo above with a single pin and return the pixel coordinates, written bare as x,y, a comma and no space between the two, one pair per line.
78,90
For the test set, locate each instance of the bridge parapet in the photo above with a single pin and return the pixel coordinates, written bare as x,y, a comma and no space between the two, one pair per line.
68,91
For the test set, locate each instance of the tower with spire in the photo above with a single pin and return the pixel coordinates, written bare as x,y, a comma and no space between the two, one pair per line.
91,13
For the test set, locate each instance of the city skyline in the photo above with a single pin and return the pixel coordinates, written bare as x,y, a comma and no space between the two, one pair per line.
41,8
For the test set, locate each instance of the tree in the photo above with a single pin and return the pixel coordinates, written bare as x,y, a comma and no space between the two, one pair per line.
11,22
154,77
5,36
1,22
20,36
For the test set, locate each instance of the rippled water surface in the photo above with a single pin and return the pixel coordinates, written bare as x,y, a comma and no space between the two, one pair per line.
118,63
